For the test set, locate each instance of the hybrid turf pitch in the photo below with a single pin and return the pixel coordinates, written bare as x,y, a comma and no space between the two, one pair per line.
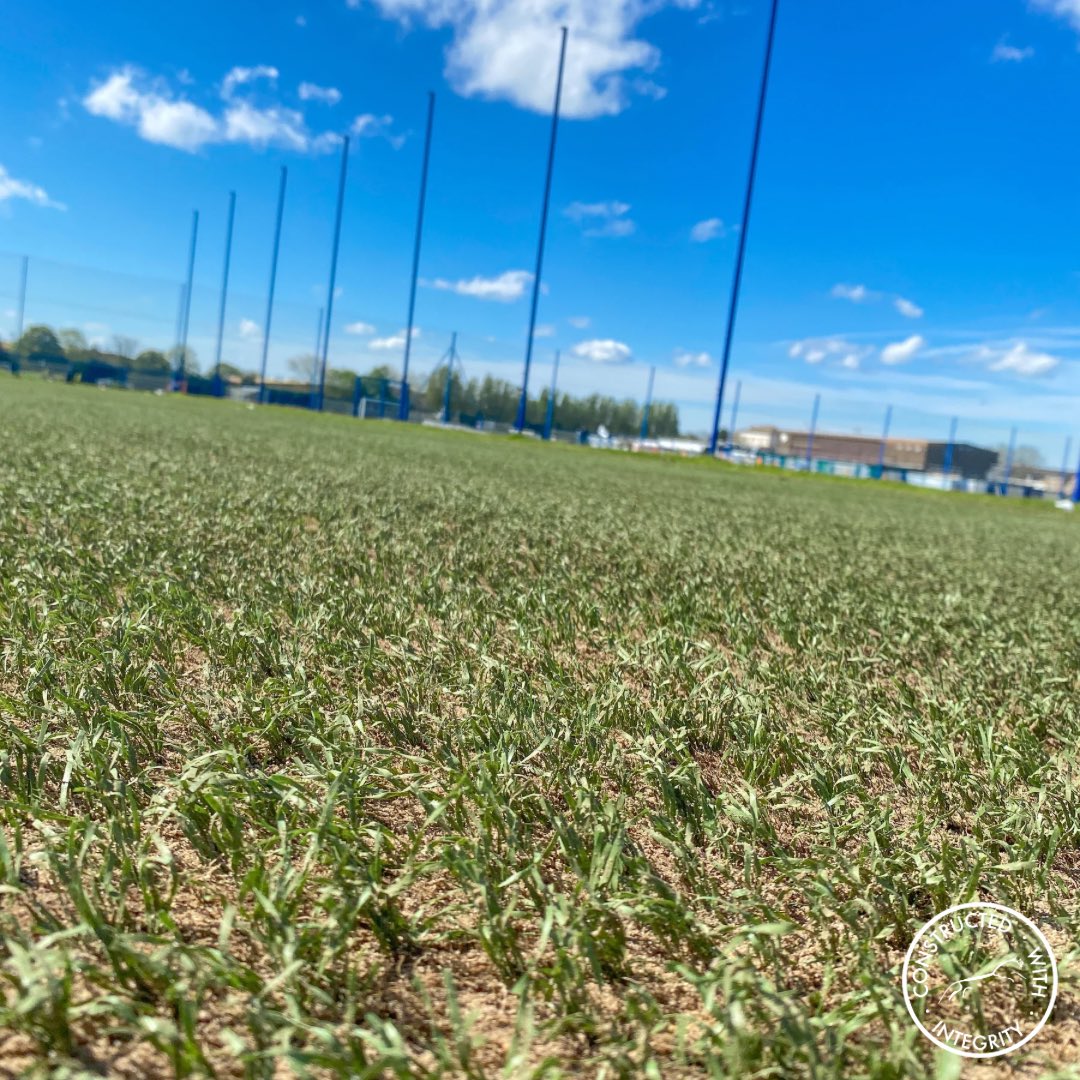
332,748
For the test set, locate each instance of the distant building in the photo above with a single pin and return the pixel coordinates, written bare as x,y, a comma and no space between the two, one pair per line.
901,454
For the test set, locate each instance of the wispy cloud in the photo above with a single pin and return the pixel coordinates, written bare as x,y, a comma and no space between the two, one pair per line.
361,329
1010,54
250,329
505,287
370,126
580,322
395,341
328,95
857,294
1020,359
709,229
817,350
908,308
602,218
129,96
603,351
12,188
685,359
900,352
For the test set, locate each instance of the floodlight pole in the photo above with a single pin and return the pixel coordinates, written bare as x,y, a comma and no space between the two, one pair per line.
648,405
884,441
519,423
24,271
1009,462
734,413
744,229
403,406
1065,465
1076,484
181,360
949,448
224,292
273,282
333,270
813,429
549,419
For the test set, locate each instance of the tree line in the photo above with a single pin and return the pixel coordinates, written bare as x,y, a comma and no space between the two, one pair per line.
485,398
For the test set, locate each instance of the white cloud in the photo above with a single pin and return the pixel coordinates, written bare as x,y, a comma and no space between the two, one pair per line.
330,95
707,230
128,96
900,352
505,288
1010,53
10,188
509,49
246,123
362,329
908,308
602,218
395,341
857,294
692,359
544,330
151,111
250,329
580,322
603,351
1021,359
1065,9
370,126
239,76
816,350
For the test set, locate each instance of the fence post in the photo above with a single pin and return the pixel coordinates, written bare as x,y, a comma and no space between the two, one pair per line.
333,268
218,388
357,394
1062,483
734,415
181,360
884,442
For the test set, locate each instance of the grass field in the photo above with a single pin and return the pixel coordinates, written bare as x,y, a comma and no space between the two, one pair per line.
332,748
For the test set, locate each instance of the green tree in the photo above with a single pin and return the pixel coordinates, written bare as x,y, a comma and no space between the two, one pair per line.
74,343
190,360
151,360
39,343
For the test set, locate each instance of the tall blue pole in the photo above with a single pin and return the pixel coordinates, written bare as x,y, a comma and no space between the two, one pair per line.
333,270
1076,484
1009,462
25,269
224,292
549,419
273,281
1065,466
403,407
519,423
884,442
813,429
451,356
947,465
734,413
648,404
744,230
181,359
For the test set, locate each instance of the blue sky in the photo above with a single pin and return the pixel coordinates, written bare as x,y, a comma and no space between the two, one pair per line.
915,238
